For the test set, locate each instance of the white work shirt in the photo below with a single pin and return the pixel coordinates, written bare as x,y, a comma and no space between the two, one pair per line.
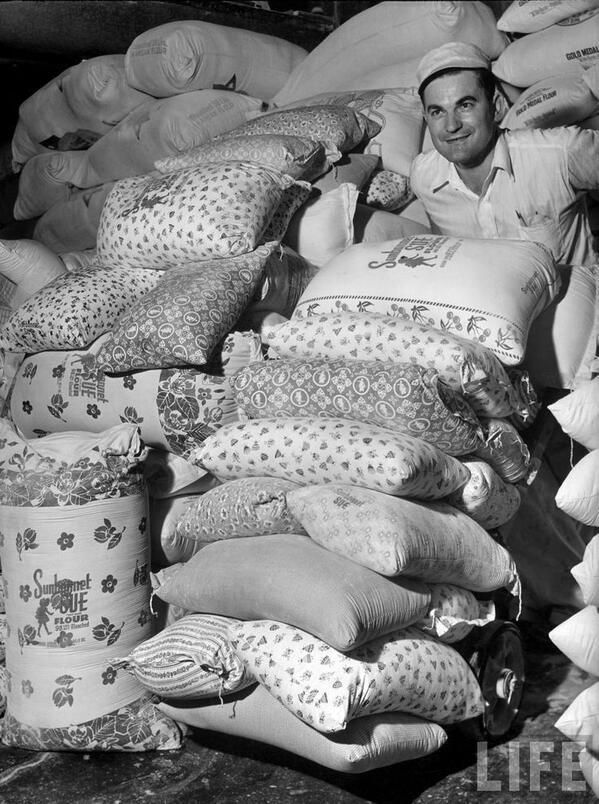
535,190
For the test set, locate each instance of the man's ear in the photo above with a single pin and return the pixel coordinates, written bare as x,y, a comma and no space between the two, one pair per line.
500,106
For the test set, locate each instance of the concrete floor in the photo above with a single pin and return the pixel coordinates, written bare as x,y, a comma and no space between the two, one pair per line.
217,769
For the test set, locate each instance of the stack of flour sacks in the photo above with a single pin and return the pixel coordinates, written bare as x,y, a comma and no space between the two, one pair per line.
318,593
578,637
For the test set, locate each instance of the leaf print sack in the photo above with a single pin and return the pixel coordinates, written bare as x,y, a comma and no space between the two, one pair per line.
216,210
465,365
75,560
336,450
396,536
401,398
406,671
175,409
443,282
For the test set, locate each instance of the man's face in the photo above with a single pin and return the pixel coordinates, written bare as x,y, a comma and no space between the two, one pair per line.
460,118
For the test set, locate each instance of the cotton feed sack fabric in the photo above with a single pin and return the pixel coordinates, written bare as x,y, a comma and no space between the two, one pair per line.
367,743
467,366
485,497
26,266
388,190
578,639
567,47
174,409
75,558
396,536
249,506
586,573
578,495
559,100
402,398
580,721
443,282
299,157
521,17
323,226
314,450
406,671
73,310
288,577
163,127
577,413
193,54
562,341
387,34
338,127
399,113
187,313
220,209
92,95
191,658
72,225
505,450
454,613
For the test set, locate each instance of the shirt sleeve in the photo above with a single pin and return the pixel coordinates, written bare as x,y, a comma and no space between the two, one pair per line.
583,158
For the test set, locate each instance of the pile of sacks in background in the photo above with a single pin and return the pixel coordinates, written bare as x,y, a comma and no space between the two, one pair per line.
279,362
578,637
113,116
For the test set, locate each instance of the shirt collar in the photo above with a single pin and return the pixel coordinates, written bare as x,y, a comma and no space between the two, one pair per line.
501,161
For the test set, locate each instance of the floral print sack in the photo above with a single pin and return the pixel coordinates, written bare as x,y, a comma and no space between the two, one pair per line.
75,561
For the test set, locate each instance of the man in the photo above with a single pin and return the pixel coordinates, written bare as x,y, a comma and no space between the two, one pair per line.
480,181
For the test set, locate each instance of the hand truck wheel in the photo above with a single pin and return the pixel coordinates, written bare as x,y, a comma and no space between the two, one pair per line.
494,652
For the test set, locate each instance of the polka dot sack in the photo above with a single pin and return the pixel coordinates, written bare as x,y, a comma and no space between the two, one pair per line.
75,309
189,659
443,282
313,450
338,127
485,497
299,157
220,209
406,671
402,398
465,365
75,558
174,409
397,536
249,506
186,315
455,612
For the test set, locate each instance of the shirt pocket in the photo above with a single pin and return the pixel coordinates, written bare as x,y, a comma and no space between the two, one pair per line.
544,231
